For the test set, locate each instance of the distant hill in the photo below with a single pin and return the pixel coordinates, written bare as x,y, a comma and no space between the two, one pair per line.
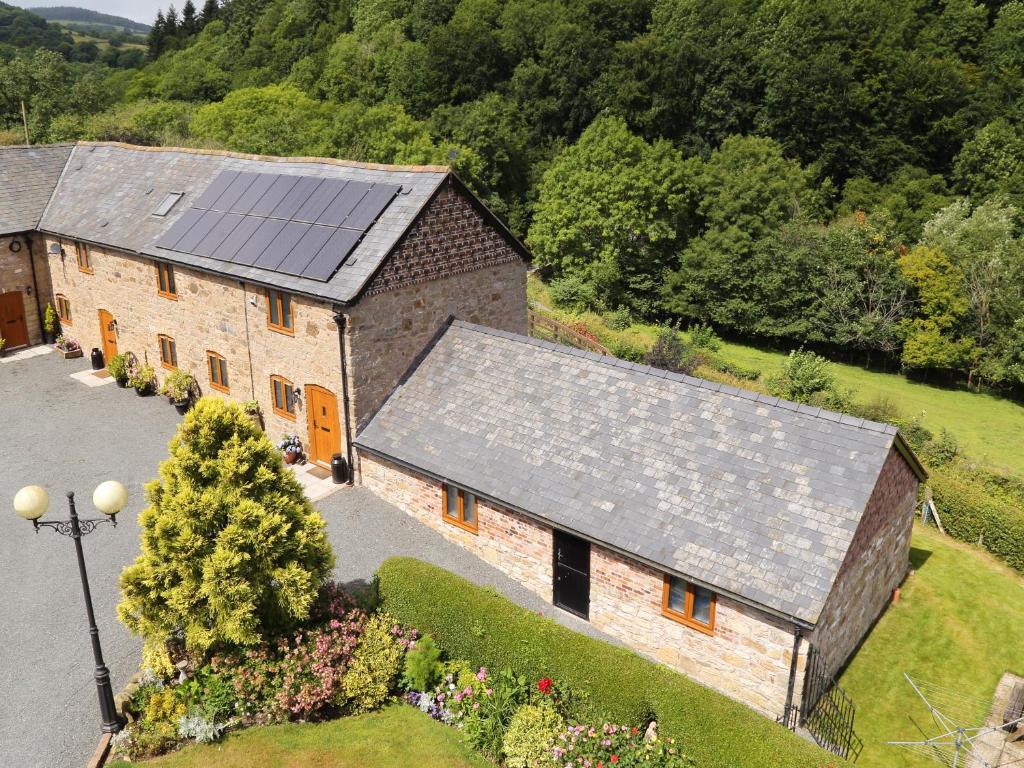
21,29
82,17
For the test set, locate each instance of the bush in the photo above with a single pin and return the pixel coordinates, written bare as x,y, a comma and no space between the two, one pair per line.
976,505
372,674
531,734
117,367
179,386
50,320
573,294
478,625
803,375
671,353
142,378
233,552
627,348
703,336
423,667
737,370
618,319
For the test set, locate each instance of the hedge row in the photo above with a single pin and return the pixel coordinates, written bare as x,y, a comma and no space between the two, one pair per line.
975,504
482,627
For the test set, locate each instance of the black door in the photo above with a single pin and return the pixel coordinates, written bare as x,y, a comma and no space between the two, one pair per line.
572,574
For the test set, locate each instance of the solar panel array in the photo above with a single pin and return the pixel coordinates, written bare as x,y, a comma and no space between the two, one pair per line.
297,225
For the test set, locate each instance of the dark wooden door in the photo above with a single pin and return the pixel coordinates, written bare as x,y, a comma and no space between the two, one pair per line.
108,335
324,432
12,320
572,574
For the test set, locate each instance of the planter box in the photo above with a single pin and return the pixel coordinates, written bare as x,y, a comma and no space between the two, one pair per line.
69,355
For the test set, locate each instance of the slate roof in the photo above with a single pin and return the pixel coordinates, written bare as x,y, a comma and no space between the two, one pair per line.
27,178
750,495
108,192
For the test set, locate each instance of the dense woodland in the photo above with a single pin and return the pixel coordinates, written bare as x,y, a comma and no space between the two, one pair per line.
842,174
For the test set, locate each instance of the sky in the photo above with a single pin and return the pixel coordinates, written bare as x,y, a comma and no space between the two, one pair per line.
138,10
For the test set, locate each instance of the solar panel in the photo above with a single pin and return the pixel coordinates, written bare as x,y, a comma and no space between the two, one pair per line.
305,226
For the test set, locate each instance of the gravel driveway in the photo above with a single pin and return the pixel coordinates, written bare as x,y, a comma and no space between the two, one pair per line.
60,434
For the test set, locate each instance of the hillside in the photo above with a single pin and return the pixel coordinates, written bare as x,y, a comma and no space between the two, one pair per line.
70,16
21,29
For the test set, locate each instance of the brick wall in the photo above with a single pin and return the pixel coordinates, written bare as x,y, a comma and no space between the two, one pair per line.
451,263
875,564
747,658
16,276
211,313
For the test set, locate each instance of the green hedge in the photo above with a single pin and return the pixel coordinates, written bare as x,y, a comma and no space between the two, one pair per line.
976,504
483,628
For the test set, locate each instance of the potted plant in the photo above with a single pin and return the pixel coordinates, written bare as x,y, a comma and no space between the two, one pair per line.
3,343
49,324
68,347
117,367
142,378
178,388
292,448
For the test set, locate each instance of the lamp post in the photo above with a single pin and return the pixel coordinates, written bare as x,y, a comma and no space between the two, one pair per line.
110,497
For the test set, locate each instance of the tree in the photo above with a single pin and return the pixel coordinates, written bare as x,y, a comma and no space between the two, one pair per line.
671,353
189,19
993,163
233,553
157,35
746,190
209,13
611,208
804,377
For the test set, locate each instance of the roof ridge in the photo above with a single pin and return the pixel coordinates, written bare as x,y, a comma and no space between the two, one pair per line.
712,386
271,158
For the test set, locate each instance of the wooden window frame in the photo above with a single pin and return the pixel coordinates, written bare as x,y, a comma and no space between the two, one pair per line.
687,617
165,274
210,355
63,309
459,519
278,302
285,383
83,255
172,364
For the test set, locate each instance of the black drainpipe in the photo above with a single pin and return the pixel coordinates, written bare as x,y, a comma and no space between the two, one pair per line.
340,320
35,284
788,720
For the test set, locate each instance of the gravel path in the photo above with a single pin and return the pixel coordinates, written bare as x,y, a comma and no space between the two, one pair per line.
60,434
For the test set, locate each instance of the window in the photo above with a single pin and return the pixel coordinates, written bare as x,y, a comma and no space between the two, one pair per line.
168,352
168,203
218,372
84,256
458,507
63,309
283,395
279,312
689,604
165,281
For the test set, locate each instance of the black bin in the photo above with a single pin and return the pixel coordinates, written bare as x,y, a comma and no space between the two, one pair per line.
339,469
97,359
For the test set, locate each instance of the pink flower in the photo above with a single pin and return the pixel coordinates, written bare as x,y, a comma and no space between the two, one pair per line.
476,705
481,675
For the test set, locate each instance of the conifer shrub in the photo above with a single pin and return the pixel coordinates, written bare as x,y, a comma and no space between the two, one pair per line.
233,553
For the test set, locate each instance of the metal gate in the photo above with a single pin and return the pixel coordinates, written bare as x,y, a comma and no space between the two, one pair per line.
827,711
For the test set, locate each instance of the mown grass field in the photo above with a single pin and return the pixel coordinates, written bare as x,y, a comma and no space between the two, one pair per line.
989,428
397,737
959,624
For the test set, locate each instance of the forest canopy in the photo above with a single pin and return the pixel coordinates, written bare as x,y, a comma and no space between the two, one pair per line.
843,174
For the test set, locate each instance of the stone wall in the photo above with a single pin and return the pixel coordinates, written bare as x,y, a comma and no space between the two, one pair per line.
747,657
211,313
452,262
16,276
875,564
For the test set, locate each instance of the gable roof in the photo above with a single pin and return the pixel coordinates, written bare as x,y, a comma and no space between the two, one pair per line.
27,178
108,193
747,494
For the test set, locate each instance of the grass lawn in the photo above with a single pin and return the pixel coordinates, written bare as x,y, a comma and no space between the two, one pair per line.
397,737
959,624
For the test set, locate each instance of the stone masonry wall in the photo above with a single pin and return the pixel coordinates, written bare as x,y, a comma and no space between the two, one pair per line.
747,658
16,275
875,564
211,313
387,331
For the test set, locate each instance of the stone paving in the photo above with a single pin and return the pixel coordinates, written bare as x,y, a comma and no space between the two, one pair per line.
65,436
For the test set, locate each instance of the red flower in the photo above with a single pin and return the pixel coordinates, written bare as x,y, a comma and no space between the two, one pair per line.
615,758
635,729
544,685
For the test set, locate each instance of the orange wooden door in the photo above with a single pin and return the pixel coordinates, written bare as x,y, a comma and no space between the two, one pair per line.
324,431
12,320
108,335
